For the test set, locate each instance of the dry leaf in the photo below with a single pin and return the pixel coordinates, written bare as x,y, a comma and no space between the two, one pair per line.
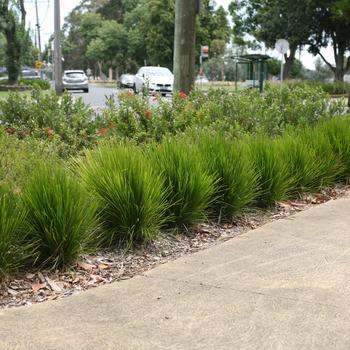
37,286
85,266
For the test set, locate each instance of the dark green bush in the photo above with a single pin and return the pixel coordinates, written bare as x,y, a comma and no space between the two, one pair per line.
131,196
190,186
229,163
60,215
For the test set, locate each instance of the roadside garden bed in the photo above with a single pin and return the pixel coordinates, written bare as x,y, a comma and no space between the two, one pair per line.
132,187
112,265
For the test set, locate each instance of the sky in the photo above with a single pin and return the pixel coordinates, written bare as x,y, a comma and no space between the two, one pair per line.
45,9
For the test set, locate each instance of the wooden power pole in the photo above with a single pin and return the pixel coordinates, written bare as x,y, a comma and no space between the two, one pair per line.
57,49
184,46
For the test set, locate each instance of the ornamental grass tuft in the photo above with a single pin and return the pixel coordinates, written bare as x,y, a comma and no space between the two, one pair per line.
273,176
14,249
189,184
130,194
60,215
236,180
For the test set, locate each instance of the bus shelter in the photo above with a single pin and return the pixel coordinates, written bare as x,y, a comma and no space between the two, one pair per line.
256,68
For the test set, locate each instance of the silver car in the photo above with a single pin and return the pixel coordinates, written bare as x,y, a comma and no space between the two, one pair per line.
75,80
156,79
126,81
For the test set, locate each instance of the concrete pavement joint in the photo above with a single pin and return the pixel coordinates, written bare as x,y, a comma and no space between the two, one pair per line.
201,284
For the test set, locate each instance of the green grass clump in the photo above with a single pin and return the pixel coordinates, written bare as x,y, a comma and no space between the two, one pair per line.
310,161
131,196
230,165
273,176
337,131
14,251
60,215
187,179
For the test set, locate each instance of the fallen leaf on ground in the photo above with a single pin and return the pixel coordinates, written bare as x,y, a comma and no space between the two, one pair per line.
37,286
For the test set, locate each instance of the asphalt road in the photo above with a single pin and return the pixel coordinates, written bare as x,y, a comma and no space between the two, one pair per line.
96,97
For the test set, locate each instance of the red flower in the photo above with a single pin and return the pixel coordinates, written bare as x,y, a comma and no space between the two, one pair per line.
148,114
130,93
49,136
48,130
103,131
182,94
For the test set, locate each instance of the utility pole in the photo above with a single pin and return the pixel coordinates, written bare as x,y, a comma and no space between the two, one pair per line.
57,49
184,46
38,28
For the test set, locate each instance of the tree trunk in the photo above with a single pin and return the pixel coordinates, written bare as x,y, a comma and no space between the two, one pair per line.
184,46
339,67
287,71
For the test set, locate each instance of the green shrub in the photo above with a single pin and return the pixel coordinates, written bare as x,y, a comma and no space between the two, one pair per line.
190,186
337,131
309,160
60,215
14,250
273,176
131,196
40,84
229,163
18,158
46,116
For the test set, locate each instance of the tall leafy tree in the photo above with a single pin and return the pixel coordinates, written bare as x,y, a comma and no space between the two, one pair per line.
331,26
269,20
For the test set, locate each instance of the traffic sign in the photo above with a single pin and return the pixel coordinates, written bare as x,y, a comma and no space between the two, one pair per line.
39,64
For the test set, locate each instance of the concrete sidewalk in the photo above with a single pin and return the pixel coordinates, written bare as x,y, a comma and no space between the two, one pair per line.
285,285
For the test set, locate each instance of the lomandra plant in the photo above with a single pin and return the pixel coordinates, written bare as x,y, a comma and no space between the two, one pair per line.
130,194
309,159
273,177
60,215
14,250
337,131
187,179
236,179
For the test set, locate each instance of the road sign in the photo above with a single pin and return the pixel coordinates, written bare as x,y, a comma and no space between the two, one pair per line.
205,51
282,46
39,64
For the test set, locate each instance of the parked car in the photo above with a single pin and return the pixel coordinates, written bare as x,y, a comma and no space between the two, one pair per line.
126,81
75,80
30,73
201,79
156,79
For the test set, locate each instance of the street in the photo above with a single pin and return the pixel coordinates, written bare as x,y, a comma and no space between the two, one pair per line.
96,96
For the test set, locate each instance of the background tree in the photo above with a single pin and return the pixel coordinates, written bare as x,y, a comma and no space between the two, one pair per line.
331,26
12,25
269,20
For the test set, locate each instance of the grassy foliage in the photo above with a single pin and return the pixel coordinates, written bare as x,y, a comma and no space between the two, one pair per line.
60,216
189,184
309,160
236,180
338,133
14,250
272,172
130,193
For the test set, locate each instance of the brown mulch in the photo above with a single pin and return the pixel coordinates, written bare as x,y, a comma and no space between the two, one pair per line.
109,265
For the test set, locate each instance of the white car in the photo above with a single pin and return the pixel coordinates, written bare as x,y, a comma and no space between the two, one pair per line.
156,79
75,80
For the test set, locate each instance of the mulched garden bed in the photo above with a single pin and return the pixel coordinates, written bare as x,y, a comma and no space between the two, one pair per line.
112,265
